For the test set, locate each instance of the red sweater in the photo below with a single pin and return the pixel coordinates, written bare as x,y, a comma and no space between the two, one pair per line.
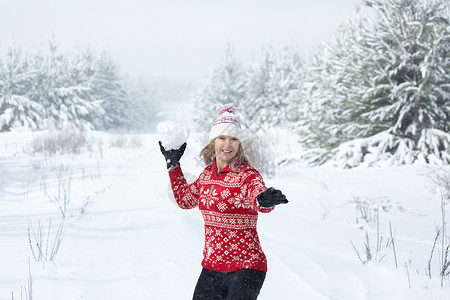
227,201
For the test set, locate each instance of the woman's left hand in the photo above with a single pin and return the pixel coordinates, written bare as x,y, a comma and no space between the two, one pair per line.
271,197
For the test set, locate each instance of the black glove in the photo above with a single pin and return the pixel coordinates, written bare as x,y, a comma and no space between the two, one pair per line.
271,197
172,156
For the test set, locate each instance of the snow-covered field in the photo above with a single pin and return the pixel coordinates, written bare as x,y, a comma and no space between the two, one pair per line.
124,238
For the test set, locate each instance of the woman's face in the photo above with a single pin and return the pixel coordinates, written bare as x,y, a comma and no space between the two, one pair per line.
225,147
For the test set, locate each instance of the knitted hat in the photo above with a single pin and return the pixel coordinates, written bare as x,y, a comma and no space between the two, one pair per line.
226,123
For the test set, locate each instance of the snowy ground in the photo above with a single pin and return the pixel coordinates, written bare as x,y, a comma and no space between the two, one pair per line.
124,238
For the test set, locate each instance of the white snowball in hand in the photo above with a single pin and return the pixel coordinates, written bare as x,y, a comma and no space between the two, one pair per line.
172,134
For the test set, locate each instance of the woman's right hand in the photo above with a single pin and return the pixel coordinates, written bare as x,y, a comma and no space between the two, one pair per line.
172,156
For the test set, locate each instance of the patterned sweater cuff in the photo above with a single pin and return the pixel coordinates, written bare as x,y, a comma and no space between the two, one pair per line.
175,172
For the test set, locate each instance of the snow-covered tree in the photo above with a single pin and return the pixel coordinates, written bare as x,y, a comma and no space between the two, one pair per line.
59,85
258,95
81,72
142,95
272,87
108,88
385,89
324,110
44,88
16,108
284,86
415,40
226,84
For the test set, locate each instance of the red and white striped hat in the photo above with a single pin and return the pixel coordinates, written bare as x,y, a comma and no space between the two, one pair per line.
226,124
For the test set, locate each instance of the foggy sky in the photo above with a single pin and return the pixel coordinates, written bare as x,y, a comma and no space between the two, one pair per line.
172,38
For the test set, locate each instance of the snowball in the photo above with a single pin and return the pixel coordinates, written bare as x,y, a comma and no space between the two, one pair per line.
172,134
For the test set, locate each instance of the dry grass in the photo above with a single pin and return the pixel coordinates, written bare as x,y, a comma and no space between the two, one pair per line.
67,140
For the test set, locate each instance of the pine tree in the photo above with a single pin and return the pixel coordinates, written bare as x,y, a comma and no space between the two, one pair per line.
79,78
226,84
258,96
16,108
285,82
415,68
324,95
108,88
45,89
384,92
144,99
272,87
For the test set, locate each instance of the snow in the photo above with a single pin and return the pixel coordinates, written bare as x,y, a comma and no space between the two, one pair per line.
124,238
173,134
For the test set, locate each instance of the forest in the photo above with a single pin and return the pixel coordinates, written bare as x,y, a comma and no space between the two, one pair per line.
378,92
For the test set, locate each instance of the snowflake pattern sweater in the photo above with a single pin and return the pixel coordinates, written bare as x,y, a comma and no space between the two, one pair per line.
227,201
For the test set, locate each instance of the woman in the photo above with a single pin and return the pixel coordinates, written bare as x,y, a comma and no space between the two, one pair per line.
229,193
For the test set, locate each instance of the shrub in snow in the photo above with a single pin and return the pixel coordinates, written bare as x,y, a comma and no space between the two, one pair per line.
67,140
125,141
261,153
368,209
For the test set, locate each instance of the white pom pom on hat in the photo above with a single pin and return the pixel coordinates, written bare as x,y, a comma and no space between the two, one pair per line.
226,124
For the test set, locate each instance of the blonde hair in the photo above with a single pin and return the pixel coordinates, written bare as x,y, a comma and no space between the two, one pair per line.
208,154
